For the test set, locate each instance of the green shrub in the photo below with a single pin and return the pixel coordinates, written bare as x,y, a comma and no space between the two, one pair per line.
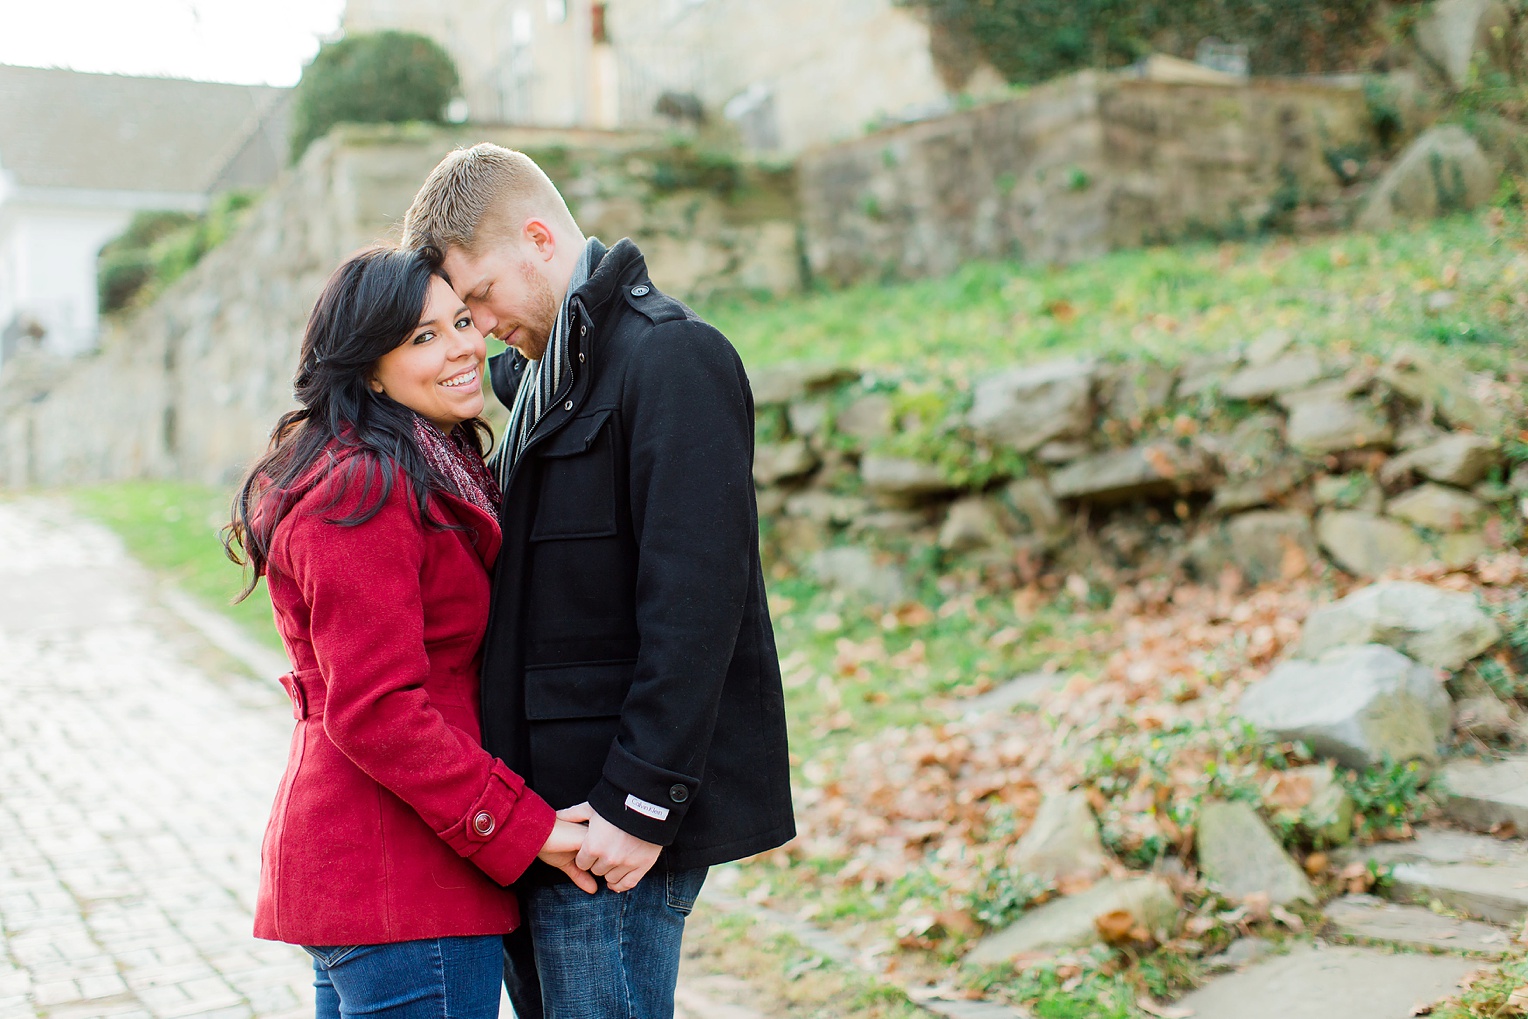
157,248
380,78
1032,40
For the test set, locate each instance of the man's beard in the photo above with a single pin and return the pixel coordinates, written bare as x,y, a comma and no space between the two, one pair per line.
540,315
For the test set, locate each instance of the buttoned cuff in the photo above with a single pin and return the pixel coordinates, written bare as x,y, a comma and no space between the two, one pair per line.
505,829
642,799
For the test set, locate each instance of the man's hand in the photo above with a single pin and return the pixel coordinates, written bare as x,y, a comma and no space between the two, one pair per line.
561,850
621,859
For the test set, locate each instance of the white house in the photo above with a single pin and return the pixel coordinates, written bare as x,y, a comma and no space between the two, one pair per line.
81,153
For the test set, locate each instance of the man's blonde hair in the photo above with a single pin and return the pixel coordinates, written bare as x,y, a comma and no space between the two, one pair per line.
479,196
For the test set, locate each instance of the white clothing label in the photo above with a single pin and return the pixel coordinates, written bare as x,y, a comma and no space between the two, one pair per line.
652,810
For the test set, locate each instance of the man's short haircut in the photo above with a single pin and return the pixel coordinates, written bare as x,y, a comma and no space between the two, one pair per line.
478,196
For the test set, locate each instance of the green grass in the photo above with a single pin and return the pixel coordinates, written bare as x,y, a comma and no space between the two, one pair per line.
173,527
1369,291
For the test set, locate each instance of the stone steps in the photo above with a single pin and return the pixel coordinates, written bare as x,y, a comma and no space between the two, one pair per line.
1369,918
1484,877
1484,795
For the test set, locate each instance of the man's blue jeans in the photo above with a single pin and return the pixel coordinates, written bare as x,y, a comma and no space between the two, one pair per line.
603,956
456,977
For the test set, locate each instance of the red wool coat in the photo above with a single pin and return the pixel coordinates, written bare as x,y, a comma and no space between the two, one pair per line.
391,823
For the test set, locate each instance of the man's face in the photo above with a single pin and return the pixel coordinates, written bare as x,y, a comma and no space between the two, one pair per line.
507,291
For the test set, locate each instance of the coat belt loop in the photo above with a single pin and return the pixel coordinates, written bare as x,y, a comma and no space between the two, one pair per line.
293,687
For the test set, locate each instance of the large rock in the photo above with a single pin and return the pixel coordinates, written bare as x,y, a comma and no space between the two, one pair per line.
1357,704
971,524
1137,391
1455,34
1325,813
1063,841
1261,489
1027,407
1328,422
785,383
1036,508
1438,508
903,478
1459,459
1443,629
1067,923
867,417
1272,545
856,569
775,463
1438,384
1443,171
1293,371
1367,545
823,507
1153,469
1239,857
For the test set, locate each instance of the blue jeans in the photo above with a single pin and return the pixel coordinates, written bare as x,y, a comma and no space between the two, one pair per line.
437,978
603,956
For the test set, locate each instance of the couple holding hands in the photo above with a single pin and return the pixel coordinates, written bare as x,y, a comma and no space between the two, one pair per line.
537,696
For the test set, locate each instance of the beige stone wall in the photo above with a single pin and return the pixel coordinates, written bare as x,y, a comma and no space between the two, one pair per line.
1072,169
190,386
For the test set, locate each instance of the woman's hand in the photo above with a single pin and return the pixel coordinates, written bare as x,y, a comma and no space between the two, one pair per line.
561,850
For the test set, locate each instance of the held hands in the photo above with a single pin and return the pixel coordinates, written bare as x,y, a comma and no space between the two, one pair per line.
620,858
562,850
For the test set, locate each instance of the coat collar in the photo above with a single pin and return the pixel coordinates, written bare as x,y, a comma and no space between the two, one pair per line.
481,528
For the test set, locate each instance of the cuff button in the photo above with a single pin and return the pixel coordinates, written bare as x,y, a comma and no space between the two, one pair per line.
678,793
483,823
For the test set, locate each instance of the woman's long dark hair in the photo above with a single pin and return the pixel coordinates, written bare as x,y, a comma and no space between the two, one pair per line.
371,304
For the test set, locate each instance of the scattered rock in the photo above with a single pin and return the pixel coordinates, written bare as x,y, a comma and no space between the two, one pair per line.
1444,170
1327,815
1440,628
1068,922
1320,982
1459,458
1483,795
890,522
856,569
1369,918
868,417
1272,545
1327,423
1242,952
1438,508
773,464
902,478
784,383
1270,346
1428,380
1027,407
1153,469
1239,857
1037,510
1367,545
972,523
1021,691
1063,451
1256,442
1062,842
1292,372
1238,494
1202,373
1356,704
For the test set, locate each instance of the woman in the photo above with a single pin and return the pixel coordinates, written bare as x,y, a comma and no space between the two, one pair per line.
374,522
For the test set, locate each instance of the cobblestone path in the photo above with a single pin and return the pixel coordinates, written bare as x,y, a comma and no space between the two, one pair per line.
137,766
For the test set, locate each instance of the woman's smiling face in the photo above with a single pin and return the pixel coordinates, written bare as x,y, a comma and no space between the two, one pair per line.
437,371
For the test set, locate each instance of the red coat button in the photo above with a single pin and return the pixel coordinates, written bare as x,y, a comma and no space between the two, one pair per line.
483,823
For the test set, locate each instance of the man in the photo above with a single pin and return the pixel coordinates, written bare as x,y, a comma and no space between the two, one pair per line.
629,670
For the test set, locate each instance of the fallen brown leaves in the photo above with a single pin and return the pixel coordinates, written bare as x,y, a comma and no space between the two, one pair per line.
1146,732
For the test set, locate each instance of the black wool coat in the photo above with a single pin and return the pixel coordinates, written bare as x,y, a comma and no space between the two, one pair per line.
630,659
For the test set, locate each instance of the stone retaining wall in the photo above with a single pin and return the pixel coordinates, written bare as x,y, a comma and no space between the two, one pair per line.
190,386
1271,460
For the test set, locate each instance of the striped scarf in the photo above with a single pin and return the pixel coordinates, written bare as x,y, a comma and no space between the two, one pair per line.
543,378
